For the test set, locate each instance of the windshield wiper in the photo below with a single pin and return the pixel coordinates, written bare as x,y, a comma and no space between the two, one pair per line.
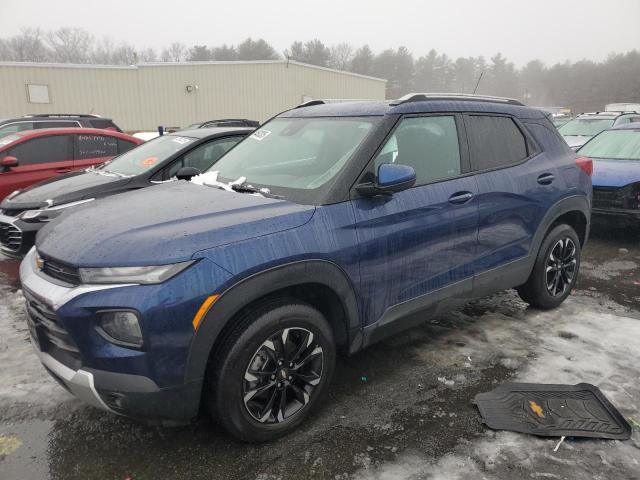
251,189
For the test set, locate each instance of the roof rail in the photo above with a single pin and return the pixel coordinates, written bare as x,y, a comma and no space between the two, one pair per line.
421,97
61,115
311,103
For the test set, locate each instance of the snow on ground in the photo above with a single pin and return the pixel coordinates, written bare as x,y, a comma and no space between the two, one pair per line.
581,341
25,382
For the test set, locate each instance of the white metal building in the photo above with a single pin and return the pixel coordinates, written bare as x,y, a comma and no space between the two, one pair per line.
174,94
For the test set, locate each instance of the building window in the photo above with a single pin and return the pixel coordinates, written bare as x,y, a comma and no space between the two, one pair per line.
38,93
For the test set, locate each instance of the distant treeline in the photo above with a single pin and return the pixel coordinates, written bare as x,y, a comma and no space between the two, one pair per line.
582,86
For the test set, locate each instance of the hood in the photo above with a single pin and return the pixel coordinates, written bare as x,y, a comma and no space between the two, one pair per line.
575,141
164,224
64,189
615,173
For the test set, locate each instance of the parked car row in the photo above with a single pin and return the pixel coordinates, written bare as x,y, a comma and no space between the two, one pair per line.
327,229
581,128
616,172
24,212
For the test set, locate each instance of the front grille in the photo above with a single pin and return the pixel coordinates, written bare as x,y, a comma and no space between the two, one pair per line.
61,271
614,198
10,237
49,334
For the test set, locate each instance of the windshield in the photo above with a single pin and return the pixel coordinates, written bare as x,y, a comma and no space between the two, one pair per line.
147,155
585,127
295,153
616,144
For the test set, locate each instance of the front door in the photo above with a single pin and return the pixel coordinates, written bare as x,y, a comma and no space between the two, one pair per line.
417,243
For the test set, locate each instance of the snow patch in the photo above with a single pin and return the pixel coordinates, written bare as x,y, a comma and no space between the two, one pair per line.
578,342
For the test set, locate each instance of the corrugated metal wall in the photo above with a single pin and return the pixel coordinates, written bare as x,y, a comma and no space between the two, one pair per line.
143,97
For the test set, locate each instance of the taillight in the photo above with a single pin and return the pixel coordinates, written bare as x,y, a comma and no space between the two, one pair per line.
585,164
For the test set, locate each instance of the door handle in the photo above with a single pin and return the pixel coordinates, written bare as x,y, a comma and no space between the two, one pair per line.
459,198
546,179
63,170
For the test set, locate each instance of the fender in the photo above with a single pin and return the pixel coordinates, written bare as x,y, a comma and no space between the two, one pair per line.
255,286
573,203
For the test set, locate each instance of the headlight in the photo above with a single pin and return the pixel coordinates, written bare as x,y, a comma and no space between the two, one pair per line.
142,275
47,214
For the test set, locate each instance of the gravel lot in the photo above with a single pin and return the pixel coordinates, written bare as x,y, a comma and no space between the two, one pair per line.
400,409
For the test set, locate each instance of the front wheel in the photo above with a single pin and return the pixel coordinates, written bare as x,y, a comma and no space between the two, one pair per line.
273,369
555,270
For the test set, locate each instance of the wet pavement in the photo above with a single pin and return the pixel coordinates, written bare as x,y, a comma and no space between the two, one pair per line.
400,409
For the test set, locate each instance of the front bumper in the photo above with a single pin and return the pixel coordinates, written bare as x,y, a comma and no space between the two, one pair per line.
625,214
128,394
17,237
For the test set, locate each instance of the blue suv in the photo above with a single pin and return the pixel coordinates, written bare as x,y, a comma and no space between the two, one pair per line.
329,228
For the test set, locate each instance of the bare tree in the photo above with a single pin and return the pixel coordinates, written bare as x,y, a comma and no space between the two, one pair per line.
340,56
27,46
176,52
147,55
71,45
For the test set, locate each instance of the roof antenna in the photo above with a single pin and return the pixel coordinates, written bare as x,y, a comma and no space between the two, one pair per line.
478,82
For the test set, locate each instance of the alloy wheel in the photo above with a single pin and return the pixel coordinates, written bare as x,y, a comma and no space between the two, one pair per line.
282,375
561,267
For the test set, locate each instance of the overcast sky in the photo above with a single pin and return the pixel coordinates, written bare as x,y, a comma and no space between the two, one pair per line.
551,30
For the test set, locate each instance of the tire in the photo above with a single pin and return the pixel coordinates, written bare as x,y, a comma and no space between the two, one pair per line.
561,241
247,362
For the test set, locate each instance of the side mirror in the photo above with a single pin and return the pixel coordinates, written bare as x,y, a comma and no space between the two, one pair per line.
392,178
8,162
186,173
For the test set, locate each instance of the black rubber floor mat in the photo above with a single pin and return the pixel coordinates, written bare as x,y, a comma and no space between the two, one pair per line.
552,411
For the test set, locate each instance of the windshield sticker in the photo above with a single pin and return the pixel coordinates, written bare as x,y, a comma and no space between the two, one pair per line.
260,134
147,162
181,140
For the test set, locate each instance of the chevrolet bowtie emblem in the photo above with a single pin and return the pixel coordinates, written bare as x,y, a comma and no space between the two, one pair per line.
39,262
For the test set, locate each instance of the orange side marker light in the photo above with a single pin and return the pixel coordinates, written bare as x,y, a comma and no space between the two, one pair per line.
202,311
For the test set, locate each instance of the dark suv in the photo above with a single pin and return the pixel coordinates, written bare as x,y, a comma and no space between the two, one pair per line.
328,229
55,120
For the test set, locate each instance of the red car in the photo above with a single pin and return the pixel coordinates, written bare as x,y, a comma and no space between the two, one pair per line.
31,156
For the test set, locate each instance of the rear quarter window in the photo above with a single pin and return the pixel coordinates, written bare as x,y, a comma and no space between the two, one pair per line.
494,141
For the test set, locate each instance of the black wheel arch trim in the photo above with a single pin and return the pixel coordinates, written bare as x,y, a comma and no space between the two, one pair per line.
579,203
260,284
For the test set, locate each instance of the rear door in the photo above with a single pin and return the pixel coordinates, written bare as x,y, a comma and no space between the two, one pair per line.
39,159
423,239
516,184
92,149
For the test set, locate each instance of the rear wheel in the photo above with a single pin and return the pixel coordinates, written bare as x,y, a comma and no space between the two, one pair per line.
272,370
555,270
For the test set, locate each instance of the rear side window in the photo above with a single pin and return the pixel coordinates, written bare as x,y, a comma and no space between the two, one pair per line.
494,141
101,123
55,148
95,146
15,127
428,144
